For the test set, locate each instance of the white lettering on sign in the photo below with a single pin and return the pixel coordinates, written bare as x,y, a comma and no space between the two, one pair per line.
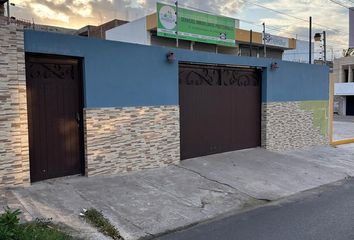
276,41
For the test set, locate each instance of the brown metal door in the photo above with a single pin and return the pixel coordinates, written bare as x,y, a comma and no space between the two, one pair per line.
220,109
54,103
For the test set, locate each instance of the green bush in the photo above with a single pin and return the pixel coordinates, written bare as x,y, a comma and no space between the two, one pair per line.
9,222
40,229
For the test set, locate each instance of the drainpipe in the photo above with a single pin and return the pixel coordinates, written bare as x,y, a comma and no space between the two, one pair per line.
324,48
264,41
251,43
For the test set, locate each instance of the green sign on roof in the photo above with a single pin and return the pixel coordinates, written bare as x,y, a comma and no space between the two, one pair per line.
195,26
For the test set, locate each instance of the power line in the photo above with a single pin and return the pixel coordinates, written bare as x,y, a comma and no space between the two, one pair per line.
270,9
304,38
340,4
272,27
286,14
243,20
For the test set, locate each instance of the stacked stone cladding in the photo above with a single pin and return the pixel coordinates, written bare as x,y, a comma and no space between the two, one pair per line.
119,140
14,157
288,125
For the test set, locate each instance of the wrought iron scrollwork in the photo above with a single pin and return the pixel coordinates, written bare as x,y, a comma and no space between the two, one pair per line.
239,78
199,77
218,77
50,70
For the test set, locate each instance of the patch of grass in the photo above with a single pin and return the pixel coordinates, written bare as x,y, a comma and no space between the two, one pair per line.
96,218
40,229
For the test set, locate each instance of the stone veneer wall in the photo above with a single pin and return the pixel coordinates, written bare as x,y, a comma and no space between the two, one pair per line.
14,157
127,139
294,125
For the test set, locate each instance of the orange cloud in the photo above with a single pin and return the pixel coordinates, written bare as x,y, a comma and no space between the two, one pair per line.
45,12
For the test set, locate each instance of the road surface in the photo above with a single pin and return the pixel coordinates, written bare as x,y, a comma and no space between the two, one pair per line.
325,214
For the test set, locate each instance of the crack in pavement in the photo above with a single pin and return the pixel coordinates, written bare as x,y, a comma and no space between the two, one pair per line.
215,190
181,200
222,183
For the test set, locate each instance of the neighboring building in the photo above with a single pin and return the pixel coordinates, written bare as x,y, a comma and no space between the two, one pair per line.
74,105
87,31
144,31
100,30
343,75
300,53
26,24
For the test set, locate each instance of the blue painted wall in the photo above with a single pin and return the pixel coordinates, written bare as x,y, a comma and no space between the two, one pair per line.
121,74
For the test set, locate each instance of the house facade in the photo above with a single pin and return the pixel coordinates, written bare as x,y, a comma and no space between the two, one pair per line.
74,105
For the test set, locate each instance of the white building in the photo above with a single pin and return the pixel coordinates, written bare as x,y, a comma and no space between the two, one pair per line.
144,31
300,53
343,75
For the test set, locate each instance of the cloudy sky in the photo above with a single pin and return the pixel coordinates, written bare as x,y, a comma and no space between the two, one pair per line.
326,14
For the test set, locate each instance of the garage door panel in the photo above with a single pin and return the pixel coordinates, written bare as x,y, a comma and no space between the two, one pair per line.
219,109
247,127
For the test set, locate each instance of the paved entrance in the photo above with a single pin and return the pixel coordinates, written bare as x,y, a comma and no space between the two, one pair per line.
343,127
153,201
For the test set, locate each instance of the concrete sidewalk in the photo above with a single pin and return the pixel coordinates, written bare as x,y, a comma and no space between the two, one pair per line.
150,202
343,130
343,127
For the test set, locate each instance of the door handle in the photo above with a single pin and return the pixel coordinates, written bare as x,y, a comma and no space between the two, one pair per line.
78,119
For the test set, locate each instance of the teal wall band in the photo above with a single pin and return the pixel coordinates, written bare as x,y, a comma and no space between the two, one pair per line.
120,74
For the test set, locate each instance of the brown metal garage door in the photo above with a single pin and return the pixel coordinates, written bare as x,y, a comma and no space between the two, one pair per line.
54,100
220,109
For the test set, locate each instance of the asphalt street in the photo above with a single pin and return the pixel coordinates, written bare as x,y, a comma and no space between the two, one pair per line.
323,214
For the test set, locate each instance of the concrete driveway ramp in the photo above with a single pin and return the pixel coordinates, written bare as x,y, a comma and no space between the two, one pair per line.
149,202
263,174
139,204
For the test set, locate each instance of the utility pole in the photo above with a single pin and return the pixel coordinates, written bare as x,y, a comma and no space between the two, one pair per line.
251,43
310,40
332,53
8,12
264,41
177,42
324,48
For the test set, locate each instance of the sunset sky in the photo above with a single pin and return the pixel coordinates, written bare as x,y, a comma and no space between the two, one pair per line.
77,13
